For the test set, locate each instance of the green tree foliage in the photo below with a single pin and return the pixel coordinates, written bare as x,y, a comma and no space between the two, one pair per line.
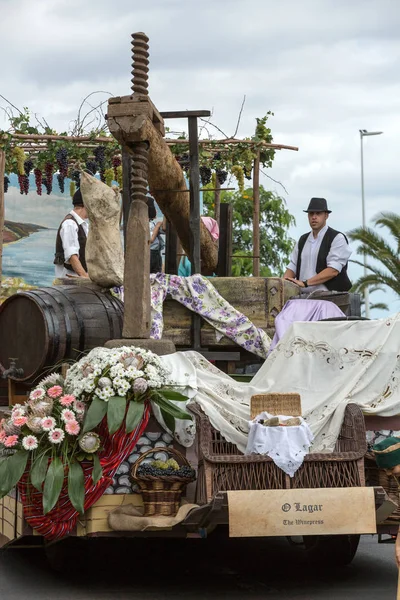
275,220
382,253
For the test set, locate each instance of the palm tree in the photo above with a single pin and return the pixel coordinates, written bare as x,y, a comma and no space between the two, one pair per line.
384,270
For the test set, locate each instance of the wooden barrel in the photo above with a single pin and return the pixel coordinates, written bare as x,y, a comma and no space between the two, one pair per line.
42,327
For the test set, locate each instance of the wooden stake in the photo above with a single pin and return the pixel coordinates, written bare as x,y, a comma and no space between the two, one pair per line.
256,216
2,167
217,200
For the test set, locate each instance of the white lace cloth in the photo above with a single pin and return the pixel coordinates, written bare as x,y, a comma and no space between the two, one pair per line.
287,446
330,364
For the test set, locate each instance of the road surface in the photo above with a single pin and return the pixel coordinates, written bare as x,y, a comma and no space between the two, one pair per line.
139,569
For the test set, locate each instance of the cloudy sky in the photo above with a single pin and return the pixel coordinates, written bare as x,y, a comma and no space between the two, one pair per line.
326,68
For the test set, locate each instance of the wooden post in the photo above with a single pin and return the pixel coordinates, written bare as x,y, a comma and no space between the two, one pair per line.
126,189
256,216
224,268
2,167
217,200
171,250
194,219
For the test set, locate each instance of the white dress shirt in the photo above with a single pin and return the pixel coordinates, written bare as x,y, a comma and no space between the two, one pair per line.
70,242
337,258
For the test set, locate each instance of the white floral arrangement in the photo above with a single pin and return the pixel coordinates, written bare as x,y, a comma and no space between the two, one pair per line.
54,429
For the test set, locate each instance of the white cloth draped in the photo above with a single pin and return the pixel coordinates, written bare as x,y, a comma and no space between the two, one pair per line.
287,446
330,364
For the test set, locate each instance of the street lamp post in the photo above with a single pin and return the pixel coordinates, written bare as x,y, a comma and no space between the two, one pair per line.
363,133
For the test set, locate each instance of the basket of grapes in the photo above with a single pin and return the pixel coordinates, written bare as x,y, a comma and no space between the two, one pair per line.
162,482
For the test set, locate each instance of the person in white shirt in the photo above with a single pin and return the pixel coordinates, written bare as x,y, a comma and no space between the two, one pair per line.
319,259
69,258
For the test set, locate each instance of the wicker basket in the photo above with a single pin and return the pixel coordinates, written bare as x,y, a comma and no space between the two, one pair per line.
223,467
378,477
161,495
276,404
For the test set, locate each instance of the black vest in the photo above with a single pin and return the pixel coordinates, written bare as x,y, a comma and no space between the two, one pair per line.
340,283
59,258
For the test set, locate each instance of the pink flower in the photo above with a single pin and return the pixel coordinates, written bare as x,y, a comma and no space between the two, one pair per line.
72,427
67,400
79,406
3,436
55,391
30,442
11,441
56,436
68,415
48,423
19,421
37,394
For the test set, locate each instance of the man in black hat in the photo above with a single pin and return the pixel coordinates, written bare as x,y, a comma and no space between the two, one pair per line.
71,241
319,259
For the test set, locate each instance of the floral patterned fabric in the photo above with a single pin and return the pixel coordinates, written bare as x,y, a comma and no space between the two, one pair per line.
199,295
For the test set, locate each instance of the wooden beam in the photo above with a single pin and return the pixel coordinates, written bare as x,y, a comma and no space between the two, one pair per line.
217,199
236,141
185,114
224,268
171,253
256,216
126,189
2,209
194,218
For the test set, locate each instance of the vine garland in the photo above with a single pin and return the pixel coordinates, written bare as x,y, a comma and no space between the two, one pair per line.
66,155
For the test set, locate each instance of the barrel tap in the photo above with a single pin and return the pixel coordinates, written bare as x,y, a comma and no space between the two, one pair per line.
13,370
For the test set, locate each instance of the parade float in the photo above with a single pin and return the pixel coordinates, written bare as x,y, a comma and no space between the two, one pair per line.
111,432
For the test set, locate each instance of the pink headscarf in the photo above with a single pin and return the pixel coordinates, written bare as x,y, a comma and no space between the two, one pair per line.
212,227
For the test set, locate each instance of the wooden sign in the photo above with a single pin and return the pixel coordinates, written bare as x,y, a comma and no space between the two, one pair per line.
318,511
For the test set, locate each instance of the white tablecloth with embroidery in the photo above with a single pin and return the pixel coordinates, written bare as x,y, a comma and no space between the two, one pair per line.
330,364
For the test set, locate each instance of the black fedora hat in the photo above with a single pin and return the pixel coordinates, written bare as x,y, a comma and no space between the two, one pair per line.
318,205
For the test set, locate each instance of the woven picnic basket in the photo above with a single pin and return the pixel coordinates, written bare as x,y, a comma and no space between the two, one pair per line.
161,494
276,404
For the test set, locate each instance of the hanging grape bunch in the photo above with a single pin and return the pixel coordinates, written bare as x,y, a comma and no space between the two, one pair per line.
205,175
247,172
221,176
76,178
185,162
46,185
28,166
61,182
48,169
38,181
6,183
99,155
91,166
62,161
116,162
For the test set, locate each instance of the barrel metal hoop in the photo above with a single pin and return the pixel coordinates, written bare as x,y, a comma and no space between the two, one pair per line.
49,320
107,305
79,318
118,306
67,322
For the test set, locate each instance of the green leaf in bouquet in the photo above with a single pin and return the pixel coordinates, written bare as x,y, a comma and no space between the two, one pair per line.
95,414
172,395
39,470
134,415
97,472
169,420
11,471
115,413
170,408
53,484
76,486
